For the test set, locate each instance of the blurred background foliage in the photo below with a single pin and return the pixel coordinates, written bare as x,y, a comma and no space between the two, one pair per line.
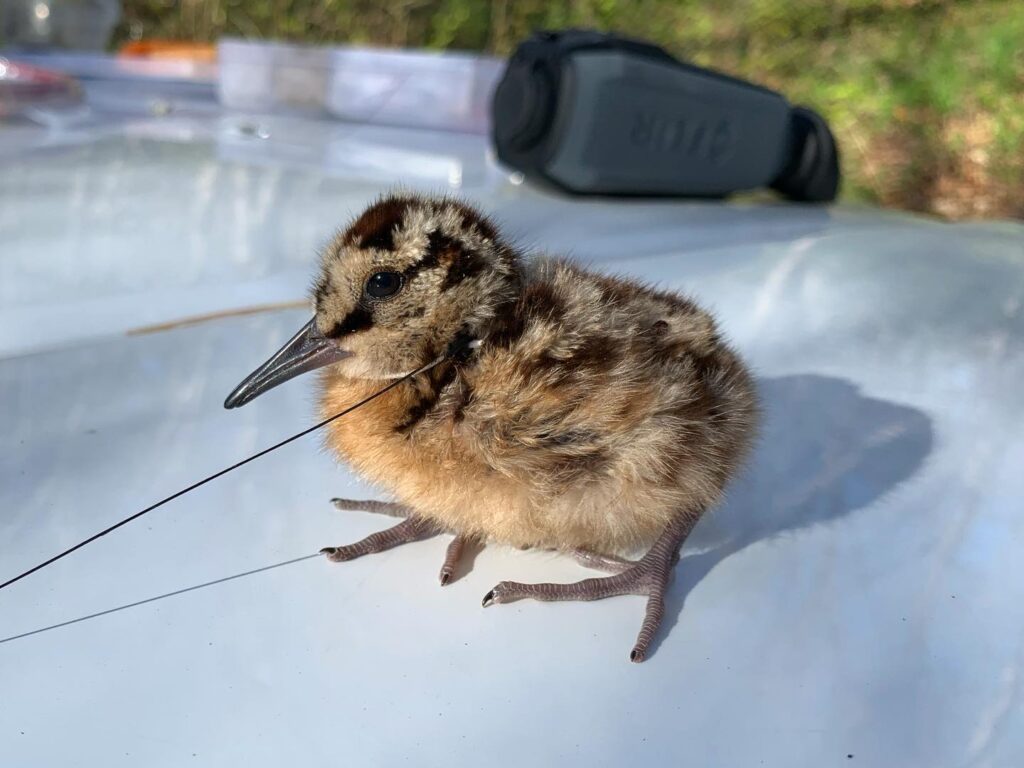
926,96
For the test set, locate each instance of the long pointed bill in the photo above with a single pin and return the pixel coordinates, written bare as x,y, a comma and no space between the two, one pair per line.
306,351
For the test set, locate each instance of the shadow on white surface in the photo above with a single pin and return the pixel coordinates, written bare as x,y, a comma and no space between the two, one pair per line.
825,451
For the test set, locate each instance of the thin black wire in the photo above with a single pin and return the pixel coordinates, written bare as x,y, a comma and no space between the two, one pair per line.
214,476
164,596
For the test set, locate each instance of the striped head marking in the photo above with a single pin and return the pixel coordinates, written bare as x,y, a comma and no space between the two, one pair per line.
405,277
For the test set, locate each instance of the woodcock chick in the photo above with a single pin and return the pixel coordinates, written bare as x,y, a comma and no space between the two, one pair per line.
571,411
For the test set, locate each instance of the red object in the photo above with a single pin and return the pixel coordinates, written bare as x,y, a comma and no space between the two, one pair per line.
23,86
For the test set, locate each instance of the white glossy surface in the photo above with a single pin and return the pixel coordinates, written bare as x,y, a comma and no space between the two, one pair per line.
861,592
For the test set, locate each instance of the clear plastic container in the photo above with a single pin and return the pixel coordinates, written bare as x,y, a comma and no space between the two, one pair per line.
271,77
413,88
403,88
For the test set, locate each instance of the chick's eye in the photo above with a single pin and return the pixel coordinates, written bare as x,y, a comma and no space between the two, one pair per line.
382,285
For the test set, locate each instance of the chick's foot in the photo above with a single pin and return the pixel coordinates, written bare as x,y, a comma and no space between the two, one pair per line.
648,576
409,530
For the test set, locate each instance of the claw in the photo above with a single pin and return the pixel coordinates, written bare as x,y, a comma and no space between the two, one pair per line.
336,554
503,592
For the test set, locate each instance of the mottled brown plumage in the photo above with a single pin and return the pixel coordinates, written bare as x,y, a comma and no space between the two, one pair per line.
597,415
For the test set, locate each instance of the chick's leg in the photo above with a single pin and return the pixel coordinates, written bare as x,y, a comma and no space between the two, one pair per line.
648,576
390,508
409,530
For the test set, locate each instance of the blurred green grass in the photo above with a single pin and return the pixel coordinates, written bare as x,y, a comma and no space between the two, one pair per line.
926,96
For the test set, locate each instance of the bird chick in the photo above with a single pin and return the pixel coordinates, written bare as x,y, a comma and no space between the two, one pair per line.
592,415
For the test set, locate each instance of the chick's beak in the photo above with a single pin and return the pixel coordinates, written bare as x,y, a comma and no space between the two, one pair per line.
306,351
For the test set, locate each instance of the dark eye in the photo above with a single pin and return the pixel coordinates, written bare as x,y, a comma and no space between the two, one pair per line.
382,285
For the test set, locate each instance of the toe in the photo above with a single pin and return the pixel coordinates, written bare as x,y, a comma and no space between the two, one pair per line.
503,592
499,594
335,554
